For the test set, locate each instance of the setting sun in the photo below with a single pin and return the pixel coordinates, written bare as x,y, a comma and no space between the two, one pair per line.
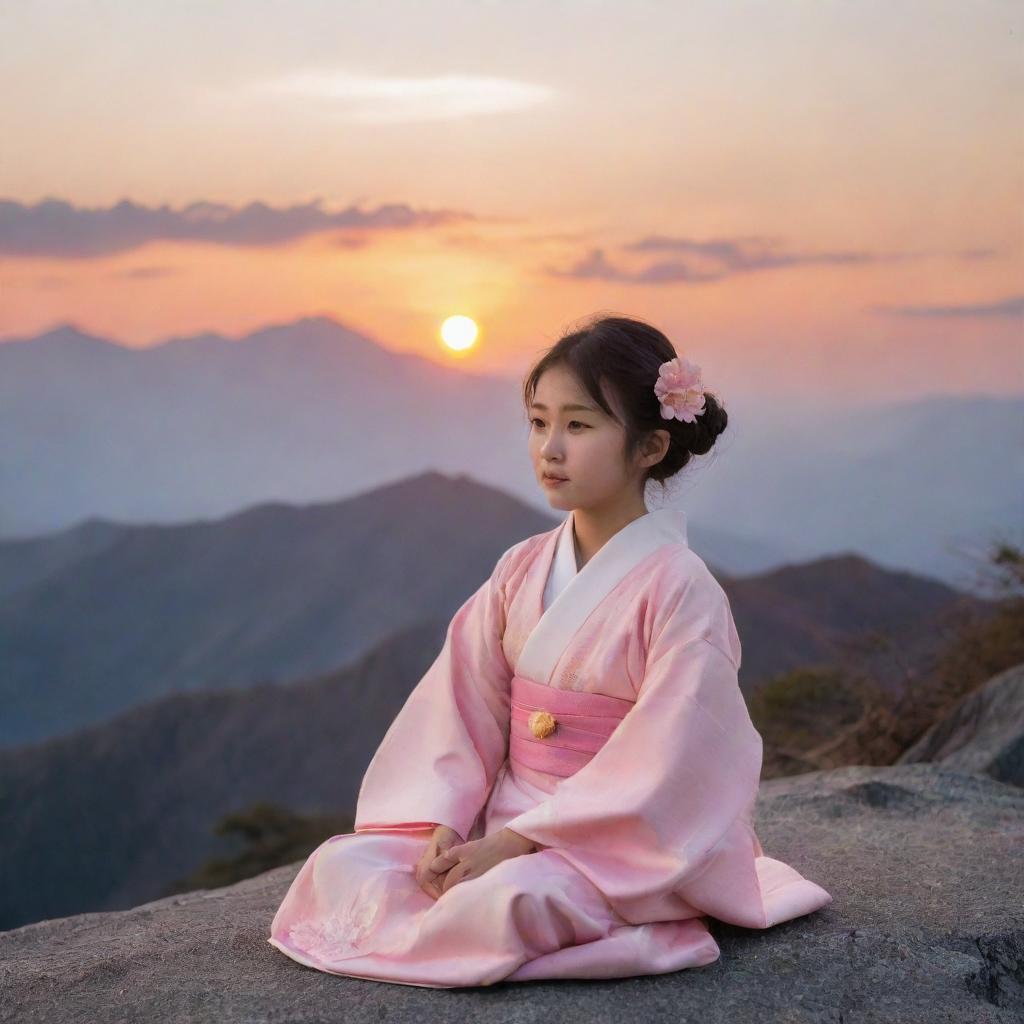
459,333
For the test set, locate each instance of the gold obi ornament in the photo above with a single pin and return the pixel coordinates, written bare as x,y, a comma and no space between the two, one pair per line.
541,723
567,742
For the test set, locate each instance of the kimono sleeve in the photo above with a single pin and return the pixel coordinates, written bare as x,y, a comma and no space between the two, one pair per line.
660,818
440,756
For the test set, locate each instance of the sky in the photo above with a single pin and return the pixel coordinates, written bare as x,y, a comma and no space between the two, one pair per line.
807,197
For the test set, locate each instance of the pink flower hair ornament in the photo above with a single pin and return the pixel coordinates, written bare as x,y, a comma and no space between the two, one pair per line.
679,390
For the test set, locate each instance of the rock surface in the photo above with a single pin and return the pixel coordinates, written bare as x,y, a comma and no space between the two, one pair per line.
926,925
983,733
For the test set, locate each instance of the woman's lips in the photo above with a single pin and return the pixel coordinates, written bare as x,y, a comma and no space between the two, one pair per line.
554,481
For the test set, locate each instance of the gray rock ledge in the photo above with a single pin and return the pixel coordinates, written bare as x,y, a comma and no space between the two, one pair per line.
926,925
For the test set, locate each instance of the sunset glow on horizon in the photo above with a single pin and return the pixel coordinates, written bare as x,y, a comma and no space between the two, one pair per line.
814,199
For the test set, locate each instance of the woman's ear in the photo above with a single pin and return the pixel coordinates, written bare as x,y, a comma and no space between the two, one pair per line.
656,444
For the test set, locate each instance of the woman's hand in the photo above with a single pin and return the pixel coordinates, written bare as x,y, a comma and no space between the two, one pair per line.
470,860
428,879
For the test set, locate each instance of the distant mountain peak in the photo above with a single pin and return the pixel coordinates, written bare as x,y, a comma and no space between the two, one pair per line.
68,337
321,320
320,326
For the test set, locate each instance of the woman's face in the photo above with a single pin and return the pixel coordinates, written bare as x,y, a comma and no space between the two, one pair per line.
581,443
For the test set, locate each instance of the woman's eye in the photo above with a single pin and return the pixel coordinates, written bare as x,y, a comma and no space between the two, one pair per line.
572,423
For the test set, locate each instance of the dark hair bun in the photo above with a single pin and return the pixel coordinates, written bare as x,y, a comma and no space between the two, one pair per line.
689,439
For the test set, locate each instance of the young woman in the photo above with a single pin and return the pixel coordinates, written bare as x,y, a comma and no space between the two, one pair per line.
568,791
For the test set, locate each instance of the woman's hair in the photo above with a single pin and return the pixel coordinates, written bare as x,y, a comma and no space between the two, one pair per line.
623,354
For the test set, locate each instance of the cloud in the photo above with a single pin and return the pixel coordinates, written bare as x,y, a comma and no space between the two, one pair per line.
391,99
712,260
977,254
749,253
145,273
55,228
595,266
1010,308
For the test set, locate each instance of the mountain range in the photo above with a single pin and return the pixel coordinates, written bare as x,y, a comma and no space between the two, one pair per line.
206,426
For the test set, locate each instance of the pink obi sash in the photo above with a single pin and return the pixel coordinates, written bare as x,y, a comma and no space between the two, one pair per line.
582,724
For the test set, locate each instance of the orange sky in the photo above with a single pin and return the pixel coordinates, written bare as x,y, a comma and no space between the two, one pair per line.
825,196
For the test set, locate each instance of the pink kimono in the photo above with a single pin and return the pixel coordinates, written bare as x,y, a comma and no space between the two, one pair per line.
641,796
